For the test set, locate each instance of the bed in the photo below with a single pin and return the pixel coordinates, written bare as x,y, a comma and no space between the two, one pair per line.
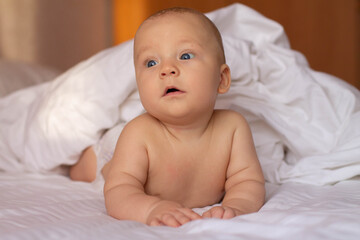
305,126
51,206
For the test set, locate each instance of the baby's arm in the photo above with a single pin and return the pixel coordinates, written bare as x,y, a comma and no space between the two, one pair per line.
244,187
125,197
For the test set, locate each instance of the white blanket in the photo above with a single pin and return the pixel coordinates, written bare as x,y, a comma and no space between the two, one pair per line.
54,207
305,123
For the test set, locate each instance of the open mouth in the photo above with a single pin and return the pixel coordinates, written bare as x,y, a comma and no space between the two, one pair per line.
172,91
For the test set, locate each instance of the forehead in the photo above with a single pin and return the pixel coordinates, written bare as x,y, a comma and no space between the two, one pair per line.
186,17
174,24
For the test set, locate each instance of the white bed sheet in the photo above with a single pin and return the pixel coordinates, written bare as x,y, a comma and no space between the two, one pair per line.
54,207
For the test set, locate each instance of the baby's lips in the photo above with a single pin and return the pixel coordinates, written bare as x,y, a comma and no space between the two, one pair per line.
172,90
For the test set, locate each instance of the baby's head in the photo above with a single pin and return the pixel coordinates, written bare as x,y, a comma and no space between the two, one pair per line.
179,63
207,24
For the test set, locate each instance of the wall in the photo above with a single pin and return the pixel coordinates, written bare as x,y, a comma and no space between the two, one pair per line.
60,33
325,31
57,33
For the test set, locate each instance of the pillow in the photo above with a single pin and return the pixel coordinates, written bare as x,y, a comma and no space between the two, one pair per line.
16,75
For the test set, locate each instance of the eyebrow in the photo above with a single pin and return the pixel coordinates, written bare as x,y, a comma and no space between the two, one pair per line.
180,42
141,50
187,41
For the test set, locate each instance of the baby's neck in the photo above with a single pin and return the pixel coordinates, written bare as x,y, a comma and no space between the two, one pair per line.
190,131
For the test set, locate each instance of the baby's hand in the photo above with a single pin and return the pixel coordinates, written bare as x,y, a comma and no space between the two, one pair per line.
221,212
172,216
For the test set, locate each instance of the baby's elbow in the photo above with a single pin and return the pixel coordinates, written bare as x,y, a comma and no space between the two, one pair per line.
113,210
112,205
257,195
260,196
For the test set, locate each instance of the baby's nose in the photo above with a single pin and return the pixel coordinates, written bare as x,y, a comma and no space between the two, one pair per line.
164,73
169,70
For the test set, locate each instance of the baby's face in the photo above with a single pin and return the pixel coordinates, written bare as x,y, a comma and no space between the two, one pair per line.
177,64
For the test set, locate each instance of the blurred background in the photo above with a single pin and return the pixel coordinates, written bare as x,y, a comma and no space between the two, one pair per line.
61,33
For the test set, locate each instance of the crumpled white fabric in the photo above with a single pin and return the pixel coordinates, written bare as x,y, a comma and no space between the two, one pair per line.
50,124
305,123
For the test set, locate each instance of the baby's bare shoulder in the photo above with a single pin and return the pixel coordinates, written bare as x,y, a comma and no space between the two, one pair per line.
143,119
229,118
142,124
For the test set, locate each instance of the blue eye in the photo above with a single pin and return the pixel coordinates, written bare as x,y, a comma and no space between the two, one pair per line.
186,56
151,63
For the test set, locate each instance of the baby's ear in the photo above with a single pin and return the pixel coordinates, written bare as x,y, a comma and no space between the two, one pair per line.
225,80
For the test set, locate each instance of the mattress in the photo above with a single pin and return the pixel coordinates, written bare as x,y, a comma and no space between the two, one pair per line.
51,206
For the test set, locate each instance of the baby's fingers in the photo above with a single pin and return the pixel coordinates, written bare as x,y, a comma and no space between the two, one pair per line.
220,212
185,215
156,222
174,217
165,220
190,213
179,217
207,214
229,213
174,220
215,212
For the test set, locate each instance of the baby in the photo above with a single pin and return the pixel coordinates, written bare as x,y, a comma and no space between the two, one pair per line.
180,154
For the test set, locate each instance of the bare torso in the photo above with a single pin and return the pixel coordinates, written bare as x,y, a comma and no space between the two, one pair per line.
191,172
157,169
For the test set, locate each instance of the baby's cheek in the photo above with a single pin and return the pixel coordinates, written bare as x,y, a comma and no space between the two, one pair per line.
171,170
